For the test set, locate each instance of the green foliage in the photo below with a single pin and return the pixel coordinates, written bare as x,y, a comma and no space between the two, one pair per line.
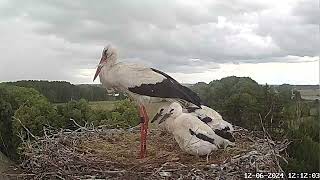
29,108
22,108
124,115
6,134
62,92
305,147
241,100
310,127
129,113
285,93
32,109
201,89
237,99
77,110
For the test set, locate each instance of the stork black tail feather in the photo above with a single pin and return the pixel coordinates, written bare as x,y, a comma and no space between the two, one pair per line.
225,134
186,93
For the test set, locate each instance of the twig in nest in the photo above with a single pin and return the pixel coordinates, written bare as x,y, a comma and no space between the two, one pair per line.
77,124
62,154
35,137
268,137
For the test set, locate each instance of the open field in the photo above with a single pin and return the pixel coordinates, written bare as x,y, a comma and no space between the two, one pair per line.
109,105
310,94
105,105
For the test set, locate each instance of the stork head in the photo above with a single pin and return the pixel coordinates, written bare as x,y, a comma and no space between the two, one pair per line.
109,55
173,111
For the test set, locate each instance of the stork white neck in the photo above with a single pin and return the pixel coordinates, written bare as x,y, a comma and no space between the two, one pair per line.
112,59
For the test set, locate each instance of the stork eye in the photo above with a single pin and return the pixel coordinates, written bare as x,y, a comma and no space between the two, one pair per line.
105,52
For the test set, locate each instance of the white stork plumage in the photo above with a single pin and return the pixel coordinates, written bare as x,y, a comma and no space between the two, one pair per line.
205,114
213,119
139,83
193,136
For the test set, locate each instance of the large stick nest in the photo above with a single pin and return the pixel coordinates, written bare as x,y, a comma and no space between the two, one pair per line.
97,153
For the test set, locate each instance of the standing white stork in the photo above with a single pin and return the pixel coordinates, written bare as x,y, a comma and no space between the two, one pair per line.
193,136
140,82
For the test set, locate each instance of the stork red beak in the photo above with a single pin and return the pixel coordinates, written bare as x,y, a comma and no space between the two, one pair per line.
98,69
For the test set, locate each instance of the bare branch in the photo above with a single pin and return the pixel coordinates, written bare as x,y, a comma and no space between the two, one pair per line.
25,128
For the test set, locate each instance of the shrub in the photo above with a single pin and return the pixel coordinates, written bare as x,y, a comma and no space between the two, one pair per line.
6,134
123,116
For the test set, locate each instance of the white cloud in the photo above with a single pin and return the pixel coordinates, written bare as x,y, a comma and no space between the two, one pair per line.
62,40
272,73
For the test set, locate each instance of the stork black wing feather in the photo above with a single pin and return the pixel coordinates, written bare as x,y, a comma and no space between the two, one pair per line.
168,88
202,136
185,89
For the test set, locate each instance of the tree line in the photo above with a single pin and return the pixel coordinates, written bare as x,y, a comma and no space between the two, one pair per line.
62,91
240,100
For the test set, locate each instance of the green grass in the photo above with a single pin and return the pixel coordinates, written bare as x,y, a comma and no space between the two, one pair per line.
152,108
104,105
310,94
110,105
97,105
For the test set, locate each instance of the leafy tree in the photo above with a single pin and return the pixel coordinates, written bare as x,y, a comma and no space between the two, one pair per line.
304,151
202,89
6,134
22,108
237,99
124,115
79,111
241,100
30,109
285,93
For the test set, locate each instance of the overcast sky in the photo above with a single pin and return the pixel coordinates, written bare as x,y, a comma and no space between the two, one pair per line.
272,41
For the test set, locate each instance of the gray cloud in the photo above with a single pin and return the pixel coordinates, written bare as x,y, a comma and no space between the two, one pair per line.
295,31
308,11
166,34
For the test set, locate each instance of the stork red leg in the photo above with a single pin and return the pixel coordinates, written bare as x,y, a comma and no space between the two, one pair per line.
145,124
144,129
